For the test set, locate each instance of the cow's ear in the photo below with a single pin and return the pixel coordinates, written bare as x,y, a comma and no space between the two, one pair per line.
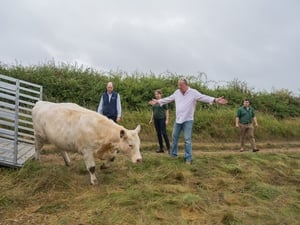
138,128
123,134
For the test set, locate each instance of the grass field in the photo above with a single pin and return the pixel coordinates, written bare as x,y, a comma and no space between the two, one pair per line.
222,186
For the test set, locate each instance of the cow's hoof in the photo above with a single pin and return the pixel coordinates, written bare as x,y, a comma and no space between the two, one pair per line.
36,156
94,182
103,167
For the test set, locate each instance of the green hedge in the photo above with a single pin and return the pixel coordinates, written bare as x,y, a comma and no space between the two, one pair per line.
84,86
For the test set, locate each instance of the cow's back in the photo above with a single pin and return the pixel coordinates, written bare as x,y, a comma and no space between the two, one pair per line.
67,125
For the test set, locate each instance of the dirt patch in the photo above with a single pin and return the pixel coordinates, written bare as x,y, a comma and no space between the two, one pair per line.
263,151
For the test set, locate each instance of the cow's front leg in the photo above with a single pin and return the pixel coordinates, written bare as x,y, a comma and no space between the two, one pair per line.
66,158
90,164
38,143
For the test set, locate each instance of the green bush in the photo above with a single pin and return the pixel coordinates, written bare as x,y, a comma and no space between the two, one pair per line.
84,86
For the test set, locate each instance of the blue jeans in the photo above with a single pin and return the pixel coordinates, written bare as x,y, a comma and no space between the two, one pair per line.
186,127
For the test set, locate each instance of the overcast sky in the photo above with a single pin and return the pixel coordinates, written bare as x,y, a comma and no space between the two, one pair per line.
254,41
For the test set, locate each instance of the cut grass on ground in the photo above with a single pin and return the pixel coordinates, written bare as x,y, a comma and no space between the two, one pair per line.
248,188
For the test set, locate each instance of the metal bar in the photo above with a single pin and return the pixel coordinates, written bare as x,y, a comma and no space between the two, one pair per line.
29,83
7,132
25,102
23,140
25,122
28,96
7,86
5,96
6,123
7,105
25,109
31,89
41,93
25,128
16,122
7,78
6,114
6,91
25,115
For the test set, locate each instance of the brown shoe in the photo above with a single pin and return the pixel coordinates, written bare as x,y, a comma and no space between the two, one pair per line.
255,150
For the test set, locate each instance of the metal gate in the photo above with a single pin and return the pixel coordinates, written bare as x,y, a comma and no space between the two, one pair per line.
17,98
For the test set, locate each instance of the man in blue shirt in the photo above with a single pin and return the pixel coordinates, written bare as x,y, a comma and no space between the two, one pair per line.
110,104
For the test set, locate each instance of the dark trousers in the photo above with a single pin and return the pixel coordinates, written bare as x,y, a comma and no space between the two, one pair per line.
160,126
114,118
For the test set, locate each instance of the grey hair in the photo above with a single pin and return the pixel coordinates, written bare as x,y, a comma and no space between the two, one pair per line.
184,80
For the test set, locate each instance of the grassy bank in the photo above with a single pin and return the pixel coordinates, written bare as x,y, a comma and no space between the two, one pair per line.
234,188
218,126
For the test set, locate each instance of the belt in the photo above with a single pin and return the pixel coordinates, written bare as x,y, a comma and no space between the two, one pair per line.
246,123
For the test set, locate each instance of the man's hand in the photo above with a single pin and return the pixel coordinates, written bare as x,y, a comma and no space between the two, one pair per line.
221,100
153,102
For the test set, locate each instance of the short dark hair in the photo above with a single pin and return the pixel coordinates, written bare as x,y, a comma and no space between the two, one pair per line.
247,99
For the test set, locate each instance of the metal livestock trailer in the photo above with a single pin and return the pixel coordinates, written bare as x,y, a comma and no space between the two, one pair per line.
17,98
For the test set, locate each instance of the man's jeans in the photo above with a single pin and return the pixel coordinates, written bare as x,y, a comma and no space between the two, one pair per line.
187,127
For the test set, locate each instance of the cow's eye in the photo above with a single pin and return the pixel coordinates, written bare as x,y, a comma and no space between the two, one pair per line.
130,146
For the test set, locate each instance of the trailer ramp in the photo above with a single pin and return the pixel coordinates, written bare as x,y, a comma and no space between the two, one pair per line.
17,98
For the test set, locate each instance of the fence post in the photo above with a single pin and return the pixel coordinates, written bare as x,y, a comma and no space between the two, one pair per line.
16,121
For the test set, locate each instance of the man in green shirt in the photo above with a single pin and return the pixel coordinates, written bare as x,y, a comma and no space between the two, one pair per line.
245,116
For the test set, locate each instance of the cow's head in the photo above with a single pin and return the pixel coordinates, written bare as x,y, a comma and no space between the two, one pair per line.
130,144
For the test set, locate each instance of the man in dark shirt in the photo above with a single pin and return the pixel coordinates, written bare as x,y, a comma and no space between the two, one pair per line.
110,104
244,117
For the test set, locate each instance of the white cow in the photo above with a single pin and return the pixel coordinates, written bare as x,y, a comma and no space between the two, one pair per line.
71,127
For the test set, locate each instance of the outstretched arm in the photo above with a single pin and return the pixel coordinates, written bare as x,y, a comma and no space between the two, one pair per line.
221,100
153,102
163,101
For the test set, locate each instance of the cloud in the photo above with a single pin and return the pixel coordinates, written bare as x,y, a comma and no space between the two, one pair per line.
255,41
